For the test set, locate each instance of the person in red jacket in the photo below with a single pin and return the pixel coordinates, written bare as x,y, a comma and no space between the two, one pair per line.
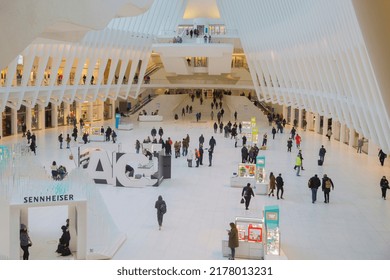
298,140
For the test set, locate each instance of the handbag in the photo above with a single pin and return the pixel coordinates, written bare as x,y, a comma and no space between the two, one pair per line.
242,200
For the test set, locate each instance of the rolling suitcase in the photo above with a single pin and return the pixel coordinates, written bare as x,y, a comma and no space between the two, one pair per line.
320,162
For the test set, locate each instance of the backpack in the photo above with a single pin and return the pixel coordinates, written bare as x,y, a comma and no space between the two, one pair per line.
328,184
309,183
163,208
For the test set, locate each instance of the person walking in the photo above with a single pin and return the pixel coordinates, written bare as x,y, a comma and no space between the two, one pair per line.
322,153
113,136
215,127
272,184
74,134
212,142
298,164
279,186
298,140
247,193
68,140
329,133
161,207
235,116
25,241
314,183
382,156
384,183
327,185
233,240
61,140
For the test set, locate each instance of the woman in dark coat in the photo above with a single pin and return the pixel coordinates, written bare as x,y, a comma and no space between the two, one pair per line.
272,184
233,240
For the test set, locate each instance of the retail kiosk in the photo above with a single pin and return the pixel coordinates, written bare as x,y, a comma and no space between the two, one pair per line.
261,184
259,238
245,174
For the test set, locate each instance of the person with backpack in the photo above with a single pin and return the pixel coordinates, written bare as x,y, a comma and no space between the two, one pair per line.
247,193
327,185
314,183
161,207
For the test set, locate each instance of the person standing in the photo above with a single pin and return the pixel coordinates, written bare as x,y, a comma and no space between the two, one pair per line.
25,241
384,183
201,154
314,183
137,146
68,140
382,156
235,116
360,145
211,150
247,193
61,140
289,145
197,156
273,132
327,185
279,186
244,154
161,207
322,153
272,184
201,140
264,140
233,240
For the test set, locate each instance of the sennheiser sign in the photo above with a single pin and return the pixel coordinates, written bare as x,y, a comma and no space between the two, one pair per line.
48,198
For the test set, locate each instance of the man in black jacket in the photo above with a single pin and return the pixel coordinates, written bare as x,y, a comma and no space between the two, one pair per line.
322,153
279,186
314,183
247,193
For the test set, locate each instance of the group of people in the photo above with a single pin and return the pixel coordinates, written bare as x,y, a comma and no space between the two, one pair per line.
62,248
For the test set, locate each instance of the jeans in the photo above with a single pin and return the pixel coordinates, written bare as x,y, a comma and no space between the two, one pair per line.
314,194
298,169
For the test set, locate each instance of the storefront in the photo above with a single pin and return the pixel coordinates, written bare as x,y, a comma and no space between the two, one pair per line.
61,114
21,117
107,111
35,117
6,117
48,110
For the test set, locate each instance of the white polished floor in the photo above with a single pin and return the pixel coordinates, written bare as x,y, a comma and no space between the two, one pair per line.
201,204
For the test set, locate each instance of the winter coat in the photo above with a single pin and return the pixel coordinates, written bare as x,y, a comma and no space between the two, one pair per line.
247,191
272,182
233,237
298,161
